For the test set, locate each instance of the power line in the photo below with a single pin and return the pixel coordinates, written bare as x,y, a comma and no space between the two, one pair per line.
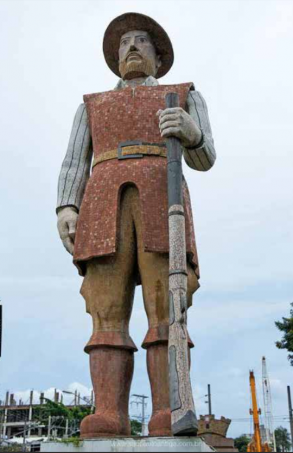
140,400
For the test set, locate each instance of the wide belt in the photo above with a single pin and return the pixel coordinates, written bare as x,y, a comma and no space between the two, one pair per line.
132,150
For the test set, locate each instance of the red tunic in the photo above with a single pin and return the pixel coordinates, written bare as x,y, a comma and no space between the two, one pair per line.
115,117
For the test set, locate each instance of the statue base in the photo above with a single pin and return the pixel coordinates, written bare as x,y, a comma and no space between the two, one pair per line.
130,444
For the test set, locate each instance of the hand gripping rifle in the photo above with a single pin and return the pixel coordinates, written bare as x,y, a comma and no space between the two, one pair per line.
184,422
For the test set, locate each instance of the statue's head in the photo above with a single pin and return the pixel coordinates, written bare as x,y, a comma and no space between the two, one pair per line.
138,55
136,46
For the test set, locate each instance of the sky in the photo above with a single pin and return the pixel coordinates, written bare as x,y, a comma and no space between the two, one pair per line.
239,56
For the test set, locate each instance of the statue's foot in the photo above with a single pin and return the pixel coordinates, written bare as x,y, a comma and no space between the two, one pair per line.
104,425
160,424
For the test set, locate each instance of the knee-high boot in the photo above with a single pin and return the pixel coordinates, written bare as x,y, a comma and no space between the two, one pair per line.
158,370
111,373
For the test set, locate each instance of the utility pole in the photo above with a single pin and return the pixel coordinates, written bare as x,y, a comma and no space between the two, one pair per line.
141,400
24,433
209,399
66,429
49,427
290,413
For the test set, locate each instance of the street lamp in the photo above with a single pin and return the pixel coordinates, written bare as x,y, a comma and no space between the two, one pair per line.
86,400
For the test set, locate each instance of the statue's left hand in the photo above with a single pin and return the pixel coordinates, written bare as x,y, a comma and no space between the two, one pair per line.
176,122
67,220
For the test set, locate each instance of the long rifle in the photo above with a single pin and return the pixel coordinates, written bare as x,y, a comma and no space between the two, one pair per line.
184,422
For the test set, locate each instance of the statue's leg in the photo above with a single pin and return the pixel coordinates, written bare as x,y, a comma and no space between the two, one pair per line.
154,270
108,289
154,273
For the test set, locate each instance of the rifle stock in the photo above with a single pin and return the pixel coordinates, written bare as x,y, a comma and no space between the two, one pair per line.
183,418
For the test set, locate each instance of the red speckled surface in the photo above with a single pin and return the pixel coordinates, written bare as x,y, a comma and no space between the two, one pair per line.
119,116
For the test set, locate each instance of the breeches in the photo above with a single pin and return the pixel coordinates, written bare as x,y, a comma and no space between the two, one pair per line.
109,284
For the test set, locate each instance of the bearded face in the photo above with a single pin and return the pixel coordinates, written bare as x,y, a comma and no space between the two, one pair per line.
137,55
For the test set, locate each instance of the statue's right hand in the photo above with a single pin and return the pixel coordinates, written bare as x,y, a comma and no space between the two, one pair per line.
67,220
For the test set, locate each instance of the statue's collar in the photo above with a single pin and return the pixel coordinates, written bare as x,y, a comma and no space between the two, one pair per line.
149,82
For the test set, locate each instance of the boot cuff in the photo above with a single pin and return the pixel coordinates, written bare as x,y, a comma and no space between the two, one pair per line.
119,340
160,334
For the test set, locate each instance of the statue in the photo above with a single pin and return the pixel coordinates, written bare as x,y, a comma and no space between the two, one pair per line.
113,214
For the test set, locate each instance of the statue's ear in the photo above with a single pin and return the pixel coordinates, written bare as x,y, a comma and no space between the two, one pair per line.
158,61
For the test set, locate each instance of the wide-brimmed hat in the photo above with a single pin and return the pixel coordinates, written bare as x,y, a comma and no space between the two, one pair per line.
135,21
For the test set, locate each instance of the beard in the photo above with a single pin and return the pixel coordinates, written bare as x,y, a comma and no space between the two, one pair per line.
133,69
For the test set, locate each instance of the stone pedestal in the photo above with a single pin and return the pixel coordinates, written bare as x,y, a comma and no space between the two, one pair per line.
131,444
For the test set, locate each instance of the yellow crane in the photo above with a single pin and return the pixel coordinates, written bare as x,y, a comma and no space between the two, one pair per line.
255,445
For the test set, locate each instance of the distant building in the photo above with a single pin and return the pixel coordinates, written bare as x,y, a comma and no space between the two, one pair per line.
16,419
214,432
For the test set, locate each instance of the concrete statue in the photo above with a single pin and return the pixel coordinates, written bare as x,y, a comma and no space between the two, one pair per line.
113,215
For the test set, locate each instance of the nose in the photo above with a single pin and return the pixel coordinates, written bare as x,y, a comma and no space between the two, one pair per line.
132,47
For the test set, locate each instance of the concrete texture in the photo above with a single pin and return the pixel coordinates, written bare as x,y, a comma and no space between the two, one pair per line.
131,444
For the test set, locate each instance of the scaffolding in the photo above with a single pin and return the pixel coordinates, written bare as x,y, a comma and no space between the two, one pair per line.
22,419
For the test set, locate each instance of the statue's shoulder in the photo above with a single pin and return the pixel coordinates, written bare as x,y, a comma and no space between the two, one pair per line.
183,86
93,96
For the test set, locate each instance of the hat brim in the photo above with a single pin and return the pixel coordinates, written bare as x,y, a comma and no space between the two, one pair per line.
135,21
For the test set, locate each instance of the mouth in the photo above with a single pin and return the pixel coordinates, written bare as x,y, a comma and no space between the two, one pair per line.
133,56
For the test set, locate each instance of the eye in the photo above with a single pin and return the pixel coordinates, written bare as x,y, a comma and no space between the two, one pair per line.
142,40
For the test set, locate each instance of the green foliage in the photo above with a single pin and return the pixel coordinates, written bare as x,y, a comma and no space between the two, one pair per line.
286,326
14,447
75,441
282,439
60,413
241,442
42,413
79,413
136,428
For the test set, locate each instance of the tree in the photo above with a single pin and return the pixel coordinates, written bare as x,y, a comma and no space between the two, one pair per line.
282,439
136,428
61,413
241,442
287,328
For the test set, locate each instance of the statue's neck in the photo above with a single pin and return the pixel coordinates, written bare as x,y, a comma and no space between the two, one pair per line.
135,82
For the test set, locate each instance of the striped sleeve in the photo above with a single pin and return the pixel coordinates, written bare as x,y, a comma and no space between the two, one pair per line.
202,158
75,170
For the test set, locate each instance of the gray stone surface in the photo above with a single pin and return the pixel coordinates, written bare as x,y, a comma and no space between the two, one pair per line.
132,444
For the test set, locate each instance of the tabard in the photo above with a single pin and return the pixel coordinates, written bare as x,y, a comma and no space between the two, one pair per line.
116,117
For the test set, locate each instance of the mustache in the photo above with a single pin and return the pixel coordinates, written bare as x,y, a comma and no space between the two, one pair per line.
133,52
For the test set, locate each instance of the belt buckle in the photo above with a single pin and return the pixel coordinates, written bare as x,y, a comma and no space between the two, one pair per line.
129,143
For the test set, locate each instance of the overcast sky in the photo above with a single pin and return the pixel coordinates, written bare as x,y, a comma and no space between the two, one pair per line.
239,55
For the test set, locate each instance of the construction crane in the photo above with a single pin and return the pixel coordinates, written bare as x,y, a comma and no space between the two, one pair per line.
268,412
256,444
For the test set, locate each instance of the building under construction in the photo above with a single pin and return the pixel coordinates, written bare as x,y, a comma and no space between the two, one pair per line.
17,418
